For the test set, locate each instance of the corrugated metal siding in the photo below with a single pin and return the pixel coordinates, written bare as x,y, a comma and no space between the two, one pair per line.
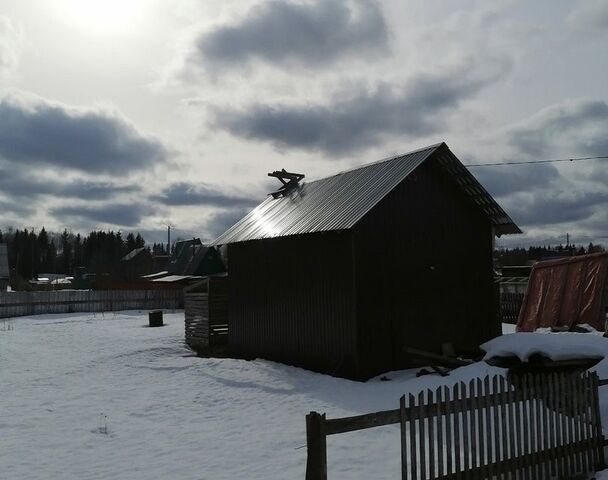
4,270
426,282
291,300
340,201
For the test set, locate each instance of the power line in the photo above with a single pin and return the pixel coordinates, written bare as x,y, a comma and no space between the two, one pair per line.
530,162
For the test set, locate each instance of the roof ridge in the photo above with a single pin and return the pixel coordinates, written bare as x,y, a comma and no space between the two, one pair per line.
385,159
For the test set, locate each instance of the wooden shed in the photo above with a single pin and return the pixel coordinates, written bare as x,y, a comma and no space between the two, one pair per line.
206,314
338,275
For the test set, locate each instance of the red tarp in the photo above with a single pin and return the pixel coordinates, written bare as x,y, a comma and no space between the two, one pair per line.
566,292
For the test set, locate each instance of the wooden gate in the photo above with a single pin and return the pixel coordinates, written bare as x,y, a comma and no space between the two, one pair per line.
525,426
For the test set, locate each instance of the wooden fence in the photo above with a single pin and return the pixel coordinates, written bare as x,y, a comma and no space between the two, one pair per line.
510,305
16,304
530,426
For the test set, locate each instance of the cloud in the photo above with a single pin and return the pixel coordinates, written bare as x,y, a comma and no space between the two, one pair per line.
557,207
16,208
221,221
504,181
11,40
19,183
565,196
36,132
185,193
128,215
576,126
365,118
589,16
310,34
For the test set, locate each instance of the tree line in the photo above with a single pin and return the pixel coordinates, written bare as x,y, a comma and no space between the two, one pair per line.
522,256
31,253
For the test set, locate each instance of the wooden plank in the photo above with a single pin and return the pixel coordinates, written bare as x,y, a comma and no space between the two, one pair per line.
457,440
569,430
588,433
448,430
565,424
541,431
473,426
526,406
518,421
599,439
421,434
496,423
483,448
431,424
590,419
466,438
439,414
412,424
576,420
404,425
501,424
361,422
552,400
316,461
511,429
488,429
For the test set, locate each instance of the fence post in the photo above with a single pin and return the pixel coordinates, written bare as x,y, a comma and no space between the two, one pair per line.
316,461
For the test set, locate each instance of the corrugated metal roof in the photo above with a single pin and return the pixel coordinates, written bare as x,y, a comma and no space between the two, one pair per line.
338,202
4,271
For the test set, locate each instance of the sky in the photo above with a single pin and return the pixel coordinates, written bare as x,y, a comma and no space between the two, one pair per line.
136,114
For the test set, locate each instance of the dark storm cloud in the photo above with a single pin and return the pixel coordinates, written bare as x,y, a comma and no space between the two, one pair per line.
364,119
15,209
506,180
305,33
580,124
185,193
21,184
128,215
221,221
553,208
36,132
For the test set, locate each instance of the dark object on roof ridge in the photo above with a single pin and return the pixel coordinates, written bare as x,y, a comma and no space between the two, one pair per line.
288,179
339,201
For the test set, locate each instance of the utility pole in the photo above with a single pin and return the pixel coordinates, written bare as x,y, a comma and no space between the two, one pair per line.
169,240
567,240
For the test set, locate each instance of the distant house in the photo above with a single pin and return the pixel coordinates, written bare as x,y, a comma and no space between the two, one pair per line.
191,257
4,268
136,263
340,274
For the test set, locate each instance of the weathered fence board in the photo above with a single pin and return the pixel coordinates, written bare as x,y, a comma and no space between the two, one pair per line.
532,426
18,304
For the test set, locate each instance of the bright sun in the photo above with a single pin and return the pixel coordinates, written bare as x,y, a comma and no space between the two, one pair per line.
109,16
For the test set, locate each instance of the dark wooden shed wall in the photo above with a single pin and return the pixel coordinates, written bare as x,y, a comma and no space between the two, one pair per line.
424,272
291,300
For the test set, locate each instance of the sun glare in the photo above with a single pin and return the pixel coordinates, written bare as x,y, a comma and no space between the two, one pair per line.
104,16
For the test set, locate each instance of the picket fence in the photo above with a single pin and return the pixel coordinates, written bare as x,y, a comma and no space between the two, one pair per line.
543,426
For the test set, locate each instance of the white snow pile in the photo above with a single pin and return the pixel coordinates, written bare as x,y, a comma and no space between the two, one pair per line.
556,346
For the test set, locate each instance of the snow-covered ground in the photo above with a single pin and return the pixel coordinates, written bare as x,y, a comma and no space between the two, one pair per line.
171,415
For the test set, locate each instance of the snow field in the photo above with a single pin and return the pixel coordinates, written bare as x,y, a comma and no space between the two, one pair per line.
173,415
